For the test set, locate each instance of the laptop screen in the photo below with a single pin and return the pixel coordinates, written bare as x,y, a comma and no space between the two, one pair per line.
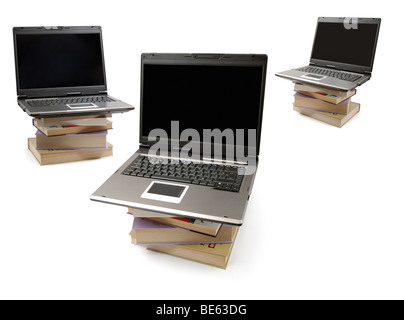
59,60
217,96
349,43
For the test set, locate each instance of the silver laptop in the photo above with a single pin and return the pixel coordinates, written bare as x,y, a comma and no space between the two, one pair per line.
200,128
60,71
342,55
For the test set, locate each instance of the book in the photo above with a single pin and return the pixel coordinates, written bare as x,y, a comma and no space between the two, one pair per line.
197,225
332,96
146,231
75,122
334,119
50,156
215,254
304,101
55,129
202,226
46,121
82,140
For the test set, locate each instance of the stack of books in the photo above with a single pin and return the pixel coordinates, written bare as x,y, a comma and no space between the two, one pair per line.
198,240
330,106
67,139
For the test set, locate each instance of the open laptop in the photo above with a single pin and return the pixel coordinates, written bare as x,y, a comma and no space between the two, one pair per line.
189,96
342,55
60,71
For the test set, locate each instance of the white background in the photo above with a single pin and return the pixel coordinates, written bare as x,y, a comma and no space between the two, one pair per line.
325,220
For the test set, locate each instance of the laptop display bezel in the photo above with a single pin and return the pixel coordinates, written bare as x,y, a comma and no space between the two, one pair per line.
208,60
59,91
345,66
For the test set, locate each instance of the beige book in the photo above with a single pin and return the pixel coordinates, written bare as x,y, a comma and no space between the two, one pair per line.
60,130
45,121
197,225
322,95
304,101
85,140
46,157
76,122
147,231
310,88
334,119
215,254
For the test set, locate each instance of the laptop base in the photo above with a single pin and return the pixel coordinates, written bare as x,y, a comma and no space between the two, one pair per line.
322,81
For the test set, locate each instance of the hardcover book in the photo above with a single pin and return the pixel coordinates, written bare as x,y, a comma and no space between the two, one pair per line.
146,231
197,225
215,254
50,156
58,129
334,119
332,96
304,101
83,140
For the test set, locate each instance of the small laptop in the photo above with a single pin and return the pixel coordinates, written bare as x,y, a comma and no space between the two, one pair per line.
60,71
203,111
342,55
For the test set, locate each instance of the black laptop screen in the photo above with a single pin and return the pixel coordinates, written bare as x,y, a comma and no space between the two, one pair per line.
335,42
59,60
201,97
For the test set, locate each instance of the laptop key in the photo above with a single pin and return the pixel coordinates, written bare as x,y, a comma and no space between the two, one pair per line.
231,181
176,179
218,186
57,101
331,73
219,177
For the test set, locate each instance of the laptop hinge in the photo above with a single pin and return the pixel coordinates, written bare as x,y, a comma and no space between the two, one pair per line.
73,93
330,66
23,96
102,92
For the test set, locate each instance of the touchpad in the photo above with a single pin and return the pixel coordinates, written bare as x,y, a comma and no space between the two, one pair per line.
313,76
81,105
164,191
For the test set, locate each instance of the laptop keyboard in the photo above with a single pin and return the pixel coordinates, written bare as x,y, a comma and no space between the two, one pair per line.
220,177
331,73
71,100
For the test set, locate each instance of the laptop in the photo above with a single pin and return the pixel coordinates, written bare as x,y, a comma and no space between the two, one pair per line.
342,55
60,71
200,128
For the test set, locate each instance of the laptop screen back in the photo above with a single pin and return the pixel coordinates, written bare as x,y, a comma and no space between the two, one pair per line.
49,59
350,43
202,95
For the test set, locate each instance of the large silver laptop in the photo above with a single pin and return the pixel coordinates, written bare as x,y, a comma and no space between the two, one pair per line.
342,55
60,71
183,97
